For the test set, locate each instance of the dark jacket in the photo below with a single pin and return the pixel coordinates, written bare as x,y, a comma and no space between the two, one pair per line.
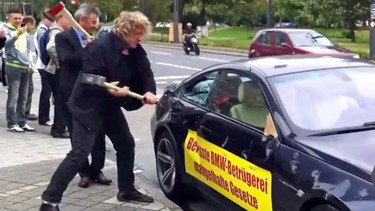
90,103
69,53
2,42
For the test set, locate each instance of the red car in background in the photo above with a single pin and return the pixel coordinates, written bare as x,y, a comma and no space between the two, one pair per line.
278,41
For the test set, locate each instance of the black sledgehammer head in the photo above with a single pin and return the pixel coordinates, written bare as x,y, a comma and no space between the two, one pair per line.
93,79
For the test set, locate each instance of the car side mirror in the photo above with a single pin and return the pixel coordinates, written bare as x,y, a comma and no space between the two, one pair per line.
184,115
170,88
285,45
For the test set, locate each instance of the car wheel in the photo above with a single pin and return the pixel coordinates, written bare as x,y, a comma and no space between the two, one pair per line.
324,207
167,166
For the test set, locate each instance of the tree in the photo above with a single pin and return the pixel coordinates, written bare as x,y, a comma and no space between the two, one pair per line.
158,10
353,11
292,10
217,12
110,9
243,12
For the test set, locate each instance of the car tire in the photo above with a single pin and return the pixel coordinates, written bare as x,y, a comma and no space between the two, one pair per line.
168,167
324,207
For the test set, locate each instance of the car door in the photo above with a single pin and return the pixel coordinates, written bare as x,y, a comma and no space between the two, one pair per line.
263,44
283,46
191,104
238,144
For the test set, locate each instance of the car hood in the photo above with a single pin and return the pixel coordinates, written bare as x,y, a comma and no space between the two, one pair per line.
325,50
357,149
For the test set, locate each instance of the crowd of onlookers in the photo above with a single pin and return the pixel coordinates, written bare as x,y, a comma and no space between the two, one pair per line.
18,68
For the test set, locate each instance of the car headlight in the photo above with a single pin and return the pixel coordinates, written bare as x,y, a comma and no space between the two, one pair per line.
356,56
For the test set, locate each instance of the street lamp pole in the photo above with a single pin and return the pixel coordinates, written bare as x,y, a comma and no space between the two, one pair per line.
372,30
144,6
175,21
269,13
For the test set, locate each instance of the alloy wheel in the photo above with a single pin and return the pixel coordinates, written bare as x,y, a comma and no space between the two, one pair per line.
166,165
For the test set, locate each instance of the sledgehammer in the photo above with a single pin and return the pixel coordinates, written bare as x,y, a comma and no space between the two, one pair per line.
101,81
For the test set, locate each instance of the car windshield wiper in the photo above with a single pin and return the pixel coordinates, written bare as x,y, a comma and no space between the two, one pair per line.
318,36
364,127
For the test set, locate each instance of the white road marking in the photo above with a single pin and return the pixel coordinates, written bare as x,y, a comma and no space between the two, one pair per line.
171,77
212,59
161,82
159,52
177,82
177,66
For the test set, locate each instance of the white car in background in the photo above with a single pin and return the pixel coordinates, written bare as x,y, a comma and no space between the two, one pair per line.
162,24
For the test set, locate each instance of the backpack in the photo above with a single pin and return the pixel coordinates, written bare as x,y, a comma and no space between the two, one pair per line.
44,57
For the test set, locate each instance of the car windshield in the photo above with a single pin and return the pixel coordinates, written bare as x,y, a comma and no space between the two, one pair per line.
327,99
309,38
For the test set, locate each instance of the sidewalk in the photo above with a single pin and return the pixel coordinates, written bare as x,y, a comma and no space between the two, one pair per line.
27,162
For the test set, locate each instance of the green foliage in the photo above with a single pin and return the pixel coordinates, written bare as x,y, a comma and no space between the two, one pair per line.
240,38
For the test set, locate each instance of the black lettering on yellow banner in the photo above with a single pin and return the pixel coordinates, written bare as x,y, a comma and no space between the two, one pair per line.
240,181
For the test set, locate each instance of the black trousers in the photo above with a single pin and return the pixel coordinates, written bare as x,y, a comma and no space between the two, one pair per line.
3,75
116,128
59,124
98,150
45,97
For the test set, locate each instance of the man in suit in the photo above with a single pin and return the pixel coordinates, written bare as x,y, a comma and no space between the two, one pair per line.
69,47
51,72
118,57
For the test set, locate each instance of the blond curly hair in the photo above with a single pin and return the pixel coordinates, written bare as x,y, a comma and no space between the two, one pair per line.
132,22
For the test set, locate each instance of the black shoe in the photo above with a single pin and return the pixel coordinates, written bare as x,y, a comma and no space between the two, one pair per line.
101,179
55,134
84,182
31,117
46,123
134,196
48,207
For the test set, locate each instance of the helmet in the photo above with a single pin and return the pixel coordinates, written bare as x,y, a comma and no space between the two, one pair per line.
189,24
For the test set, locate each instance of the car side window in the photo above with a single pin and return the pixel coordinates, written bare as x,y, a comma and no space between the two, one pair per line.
240,97
198,91
280,38
265,38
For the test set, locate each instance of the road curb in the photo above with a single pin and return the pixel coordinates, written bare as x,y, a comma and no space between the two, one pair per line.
157,194
205,49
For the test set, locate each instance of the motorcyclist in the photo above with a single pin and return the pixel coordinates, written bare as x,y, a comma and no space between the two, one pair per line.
188,31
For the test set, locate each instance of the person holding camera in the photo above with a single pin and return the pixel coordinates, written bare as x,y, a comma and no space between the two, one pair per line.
18,68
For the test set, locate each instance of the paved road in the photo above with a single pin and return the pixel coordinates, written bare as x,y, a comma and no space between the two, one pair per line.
169,66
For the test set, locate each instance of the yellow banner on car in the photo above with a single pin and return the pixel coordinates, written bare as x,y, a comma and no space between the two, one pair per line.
237,179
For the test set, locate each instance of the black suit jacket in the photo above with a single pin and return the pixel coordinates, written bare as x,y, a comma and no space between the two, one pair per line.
90,103
69,53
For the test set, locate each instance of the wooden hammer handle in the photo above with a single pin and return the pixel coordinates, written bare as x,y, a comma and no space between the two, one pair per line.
131,94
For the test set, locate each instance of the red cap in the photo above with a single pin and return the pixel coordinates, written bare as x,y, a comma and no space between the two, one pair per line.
56,9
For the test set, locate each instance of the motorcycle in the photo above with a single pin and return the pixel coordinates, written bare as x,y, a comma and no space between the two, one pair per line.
191,45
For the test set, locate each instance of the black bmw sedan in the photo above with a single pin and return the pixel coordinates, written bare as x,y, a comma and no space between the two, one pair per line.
290,133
